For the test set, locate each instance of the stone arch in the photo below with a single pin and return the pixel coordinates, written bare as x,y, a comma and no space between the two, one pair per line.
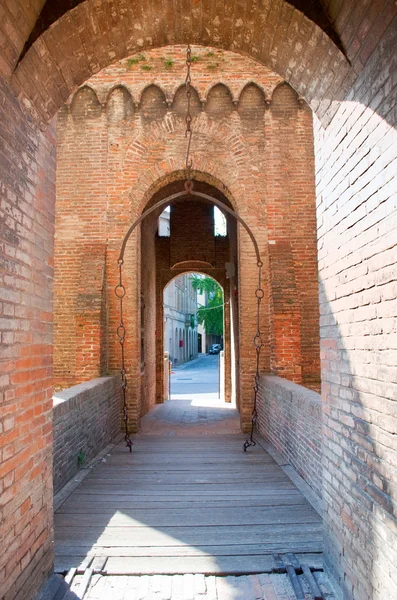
153,103
147,26
85,104
119,104
179,103
219,103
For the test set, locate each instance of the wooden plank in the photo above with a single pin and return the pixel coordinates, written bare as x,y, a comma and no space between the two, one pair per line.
188,517
314,588
202,564
224,488
63,563
301,543
86,562
80,506
85,582
177,536
69,575
168,492
98,563
180,505
145,536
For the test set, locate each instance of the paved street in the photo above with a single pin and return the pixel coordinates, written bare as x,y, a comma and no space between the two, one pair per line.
195,407
197,379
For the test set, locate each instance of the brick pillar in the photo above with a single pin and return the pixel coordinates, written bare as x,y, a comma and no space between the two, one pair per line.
91,327
286,357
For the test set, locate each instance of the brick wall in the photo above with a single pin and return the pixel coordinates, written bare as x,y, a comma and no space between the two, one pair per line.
27,198
357,221
289,416
85,420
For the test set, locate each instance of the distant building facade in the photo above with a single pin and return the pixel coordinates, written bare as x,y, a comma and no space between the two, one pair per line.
180,319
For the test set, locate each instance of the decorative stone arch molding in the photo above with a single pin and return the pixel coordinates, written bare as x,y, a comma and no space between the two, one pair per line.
175,99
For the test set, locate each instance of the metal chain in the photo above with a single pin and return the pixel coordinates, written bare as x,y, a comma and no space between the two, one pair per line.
258,343
119,290
188,120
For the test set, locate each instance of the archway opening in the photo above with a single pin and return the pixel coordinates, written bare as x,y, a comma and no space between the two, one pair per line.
175,264
195,303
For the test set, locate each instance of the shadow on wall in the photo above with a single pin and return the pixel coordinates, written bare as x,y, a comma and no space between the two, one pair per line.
359,428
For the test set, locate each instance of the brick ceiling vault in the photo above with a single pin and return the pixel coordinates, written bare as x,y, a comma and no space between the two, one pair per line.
52,10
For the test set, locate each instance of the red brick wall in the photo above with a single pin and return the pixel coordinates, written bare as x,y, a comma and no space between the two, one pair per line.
152,333
27,198
258,153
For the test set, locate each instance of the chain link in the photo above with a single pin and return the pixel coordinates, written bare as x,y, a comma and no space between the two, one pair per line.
188,119
258,344
119,290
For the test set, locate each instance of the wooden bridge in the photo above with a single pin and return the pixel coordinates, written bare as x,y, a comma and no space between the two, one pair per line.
189,515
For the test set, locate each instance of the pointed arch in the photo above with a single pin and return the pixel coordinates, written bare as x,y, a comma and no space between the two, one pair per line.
85,104
119,104
219,101
153,103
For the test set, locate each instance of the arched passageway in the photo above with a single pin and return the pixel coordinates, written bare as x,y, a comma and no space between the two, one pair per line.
338,55
179,252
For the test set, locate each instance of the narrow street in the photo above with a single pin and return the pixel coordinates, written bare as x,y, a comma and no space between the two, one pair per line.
198,378
188,515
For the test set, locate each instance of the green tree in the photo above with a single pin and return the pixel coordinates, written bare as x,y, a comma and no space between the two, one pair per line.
210,315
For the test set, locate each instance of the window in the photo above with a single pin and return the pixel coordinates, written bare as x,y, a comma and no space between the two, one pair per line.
220,226
164,223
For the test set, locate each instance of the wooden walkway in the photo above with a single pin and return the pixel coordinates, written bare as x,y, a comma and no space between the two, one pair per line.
186,502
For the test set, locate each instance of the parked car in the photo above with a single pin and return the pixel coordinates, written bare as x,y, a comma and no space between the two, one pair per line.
215,349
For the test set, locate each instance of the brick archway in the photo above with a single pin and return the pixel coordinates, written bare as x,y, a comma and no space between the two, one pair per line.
161,249
356,182
274,34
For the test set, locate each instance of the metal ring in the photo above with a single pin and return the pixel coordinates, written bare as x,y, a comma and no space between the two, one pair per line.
260,293
121,331
258,342
119,290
